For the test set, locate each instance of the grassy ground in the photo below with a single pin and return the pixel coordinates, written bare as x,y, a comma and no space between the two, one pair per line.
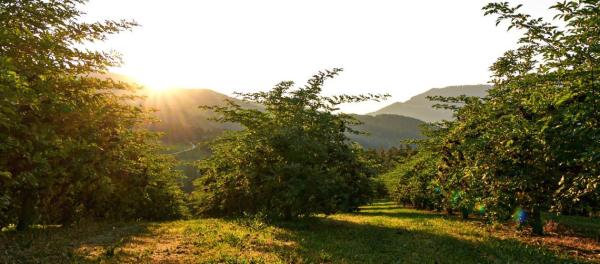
583,226
380,233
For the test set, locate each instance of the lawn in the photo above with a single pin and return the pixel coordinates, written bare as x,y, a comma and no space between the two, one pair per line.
379,233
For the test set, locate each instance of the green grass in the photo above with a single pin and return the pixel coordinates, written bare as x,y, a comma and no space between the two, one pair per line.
584,226
380,233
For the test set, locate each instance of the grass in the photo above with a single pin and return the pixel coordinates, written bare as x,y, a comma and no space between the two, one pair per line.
583,226
380,233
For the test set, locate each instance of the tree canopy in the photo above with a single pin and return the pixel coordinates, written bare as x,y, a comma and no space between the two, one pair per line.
291,159
71,144
534,141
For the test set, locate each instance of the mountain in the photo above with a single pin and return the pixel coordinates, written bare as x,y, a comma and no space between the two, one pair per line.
182,121
177,111
420,107
180,117
386,131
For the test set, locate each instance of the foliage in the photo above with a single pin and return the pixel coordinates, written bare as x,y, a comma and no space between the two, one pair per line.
70,146
416,181
534,141
291,159
388,159
543,112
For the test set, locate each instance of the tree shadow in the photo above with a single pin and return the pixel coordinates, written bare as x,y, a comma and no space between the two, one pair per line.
84,243
390,209
403,214
382,206
324,240
344,238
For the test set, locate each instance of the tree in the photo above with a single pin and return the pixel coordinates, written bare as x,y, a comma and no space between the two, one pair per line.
291,159
550,90
71,143
539,124
533,141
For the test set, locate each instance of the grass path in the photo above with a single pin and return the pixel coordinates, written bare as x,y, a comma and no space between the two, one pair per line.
380,233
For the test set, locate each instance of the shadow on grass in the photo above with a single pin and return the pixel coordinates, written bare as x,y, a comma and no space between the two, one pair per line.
346,238
413,214
403,214
381,207
322,240
97,241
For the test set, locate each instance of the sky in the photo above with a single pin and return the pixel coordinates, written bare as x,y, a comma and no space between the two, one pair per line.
402,48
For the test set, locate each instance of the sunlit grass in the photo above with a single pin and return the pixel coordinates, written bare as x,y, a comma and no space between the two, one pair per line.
380,233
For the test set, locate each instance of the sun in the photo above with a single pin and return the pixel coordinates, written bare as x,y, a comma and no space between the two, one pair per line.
155,83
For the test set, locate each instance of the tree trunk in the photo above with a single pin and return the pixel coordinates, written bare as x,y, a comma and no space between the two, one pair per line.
465,213
449,211
287,214
68,214
536,221
27,211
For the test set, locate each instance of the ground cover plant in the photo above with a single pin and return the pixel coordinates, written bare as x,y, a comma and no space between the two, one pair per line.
379,233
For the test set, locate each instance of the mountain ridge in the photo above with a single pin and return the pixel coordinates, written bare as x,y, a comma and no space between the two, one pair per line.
182,121
421,108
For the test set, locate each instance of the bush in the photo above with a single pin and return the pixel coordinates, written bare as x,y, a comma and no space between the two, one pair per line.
292,159
71,144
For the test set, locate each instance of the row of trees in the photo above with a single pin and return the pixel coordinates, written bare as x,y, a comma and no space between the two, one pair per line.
74,146
71,145
534,141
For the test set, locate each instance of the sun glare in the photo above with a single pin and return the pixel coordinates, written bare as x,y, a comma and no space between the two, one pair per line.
156,88
155,83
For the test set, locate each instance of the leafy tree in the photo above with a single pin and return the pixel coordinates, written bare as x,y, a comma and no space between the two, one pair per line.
539,124
416,175
533,142
389,158
544,107
291,159
70,143
386,161
416,184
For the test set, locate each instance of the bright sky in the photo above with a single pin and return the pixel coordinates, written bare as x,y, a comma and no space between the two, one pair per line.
398,47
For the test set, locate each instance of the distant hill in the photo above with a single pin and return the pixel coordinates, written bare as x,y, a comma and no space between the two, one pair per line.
386,131
420,107
180,117
183,122
177,111
114,76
